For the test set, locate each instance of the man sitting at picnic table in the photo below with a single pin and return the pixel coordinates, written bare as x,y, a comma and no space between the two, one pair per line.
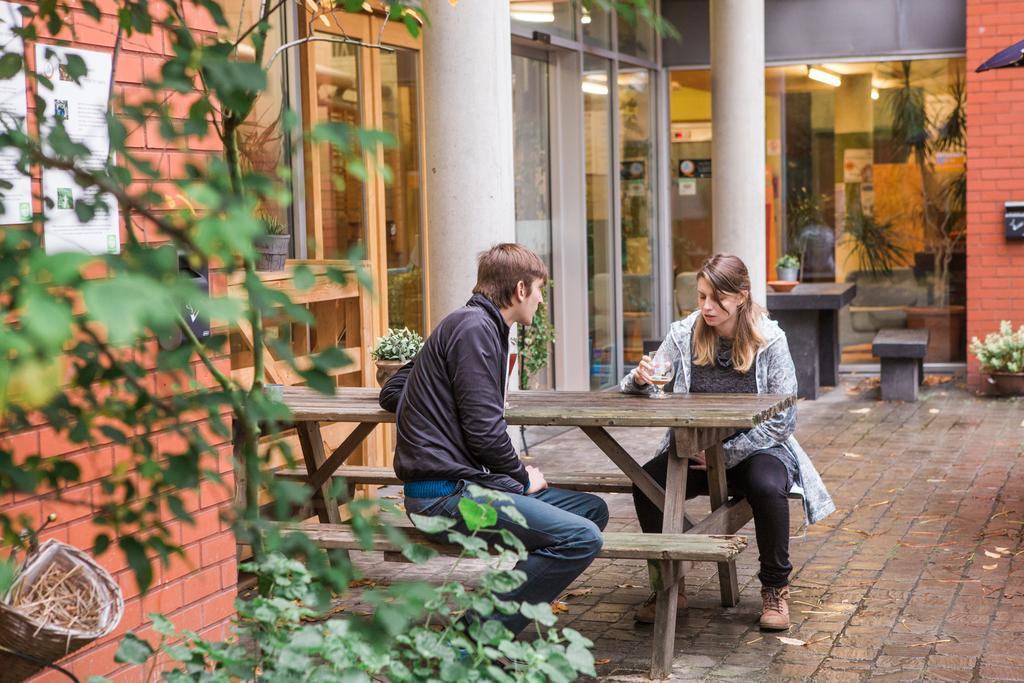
452,432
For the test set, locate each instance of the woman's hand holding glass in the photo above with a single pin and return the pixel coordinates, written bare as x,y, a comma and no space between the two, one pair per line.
655,371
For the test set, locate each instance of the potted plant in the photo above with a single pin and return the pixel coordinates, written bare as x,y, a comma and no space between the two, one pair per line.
534,344
788,268
272,245
1002,356
872,243
393,350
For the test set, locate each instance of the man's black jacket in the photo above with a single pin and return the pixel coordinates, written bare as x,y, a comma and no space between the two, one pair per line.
451,404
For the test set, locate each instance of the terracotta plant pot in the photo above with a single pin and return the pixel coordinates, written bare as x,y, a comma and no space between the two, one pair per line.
947,331
1008,383
386,368
271,252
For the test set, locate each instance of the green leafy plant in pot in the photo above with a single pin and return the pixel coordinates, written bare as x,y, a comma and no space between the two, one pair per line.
272,245
788,267
1002,356
393,350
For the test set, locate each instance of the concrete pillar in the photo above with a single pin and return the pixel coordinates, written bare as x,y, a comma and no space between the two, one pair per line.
738,141
467,61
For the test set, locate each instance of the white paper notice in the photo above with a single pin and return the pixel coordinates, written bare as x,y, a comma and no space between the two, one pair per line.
83,108
17,201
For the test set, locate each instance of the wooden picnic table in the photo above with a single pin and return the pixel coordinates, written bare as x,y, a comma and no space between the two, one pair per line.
701,422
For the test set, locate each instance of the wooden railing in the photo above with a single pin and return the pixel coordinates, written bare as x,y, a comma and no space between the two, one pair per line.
344,318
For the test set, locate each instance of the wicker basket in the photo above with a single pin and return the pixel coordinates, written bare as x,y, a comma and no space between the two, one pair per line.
48,642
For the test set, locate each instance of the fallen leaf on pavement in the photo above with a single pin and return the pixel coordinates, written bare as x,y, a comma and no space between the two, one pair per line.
933,411
932,380
989,567
360,583
559,607
628,585
751,642
791,641
994,556
602,661
852,455
861,411
576,593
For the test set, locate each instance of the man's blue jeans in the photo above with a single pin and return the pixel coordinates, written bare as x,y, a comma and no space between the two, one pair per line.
562,537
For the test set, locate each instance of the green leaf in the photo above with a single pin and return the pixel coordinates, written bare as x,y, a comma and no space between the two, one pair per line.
431,525
303,278
418,554
133,650
46,318
8,572
163,625
127,303
477,516
135,553
10,64
539,612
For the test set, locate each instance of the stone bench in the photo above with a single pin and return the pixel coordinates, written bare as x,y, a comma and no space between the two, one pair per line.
902,354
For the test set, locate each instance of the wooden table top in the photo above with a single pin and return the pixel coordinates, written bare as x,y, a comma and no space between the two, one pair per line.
566,408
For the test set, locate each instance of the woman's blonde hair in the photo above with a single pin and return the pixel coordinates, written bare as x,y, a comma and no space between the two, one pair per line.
727,274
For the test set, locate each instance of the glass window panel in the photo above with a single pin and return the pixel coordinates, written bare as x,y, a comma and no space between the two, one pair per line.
403,217
261,143
597,27
636,201
342,196
848,192
690,198
554,17
636,38
597,115
531,152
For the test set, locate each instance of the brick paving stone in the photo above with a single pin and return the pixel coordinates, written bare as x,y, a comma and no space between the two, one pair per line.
900,570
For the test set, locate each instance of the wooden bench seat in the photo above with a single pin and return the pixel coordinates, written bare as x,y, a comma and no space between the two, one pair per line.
617,545
902,355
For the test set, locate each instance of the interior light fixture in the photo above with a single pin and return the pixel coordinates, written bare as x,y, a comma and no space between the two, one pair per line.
874,93
534,12
592,88
585,19
822,76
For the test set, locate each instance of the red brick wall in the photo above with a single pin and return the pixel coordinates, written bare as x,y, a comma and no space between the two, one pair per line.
995,171
198,592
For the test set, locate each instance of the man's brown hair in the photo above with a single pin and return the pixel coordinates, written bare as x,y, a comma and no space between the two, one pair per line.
502,267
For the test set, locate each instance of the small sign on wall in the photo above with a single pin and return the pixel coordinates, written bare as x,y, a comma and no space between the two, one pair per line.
1013,220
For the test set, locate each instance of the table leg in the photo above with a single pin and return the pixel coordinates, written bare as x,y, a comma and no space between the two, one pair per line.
828,347
801,328
669,573
719,493
312,444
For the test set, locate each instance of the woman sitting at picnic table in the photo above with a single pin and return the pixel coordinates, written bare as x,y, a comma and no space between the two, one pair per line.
730,345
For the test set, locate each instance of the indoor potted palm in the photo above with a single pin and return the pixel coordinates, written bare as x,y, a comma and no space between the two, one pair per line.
393,350
1002,357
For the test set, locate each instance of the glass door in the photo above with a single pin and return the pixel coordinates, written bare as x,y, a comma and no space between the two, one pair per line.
532,159
353,212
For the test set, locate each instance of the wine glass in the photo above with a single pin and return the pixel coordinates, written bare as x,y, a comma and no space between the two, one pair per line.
661,374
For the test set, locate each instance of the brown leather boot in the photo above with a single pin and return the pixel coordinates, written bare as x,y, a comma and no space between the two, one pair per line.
775,609
645,612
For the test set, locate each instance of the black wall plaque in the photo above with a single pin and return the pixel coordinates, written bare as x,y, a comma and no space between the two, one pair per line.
1013,220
